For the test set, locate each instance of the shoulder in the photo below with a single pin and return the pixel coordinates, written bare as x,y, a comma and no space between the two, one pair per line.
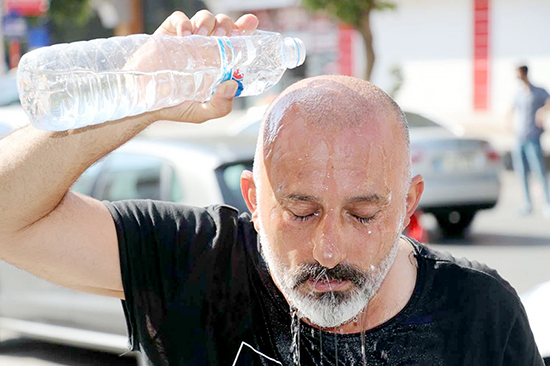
464,275
537,90
152,210
147,216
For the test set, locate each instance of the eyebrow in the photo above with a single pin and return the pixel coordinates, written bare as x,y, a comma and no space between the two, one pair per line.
300,197
371,198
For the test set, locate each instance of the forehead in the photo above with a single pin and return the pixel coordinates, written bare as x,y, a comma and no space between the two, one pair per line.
309,154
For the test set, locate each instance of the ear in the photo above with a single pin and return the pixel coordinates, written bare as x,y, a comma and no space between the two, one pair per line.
413,197
248,190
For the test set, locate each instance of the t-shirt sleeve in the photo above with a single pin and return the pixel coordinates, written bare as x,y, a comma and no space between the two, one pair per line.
521,348
160,244
510,330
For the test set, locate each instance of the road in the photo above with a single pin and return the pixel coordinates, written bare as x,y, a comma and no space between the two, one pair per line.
518,247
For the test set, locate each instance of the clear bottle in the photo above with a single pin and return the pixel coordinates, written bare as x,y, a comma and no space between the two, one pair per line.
79,84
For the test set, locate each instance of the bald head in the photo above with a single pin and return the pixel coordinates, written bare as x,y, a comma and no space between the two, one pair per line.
332,103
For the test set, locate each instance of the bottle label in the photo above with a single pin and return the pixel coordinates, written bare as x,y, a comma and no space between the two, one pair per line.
230,74
238,77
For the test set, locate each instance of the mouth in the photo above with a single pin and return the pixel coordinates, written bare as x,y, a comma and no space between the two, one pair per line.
329,285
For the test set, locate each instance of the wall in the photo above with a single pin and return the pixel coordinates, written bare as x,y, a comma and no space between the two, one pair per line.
431,41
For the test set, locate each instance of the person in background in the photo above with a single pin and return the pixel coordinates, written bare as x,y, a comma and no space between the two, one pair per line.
531,104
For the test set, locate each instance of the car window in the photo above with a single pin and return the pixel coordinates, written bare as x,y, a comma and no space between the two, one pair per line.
229,177
133,176
417,121
85,183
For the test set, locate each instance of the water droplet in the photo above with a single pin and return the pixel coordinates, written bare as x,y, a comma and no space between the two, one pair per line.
295,331
363,346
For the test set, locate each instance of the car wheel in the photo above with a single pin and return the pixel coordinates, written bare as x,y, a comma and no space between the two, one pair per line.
454,223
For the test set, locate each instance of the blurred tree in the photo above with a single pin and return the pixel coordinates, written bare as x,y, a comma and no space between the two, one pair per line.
155,11
356,13
70,12
73,20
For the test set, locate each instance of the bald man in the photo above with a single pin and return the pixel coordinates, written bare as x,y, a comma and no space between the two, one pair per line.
319,274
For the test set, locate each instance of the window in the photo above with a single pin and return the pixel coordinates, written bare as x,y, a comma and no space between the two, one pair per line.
129,176
229,177
85,183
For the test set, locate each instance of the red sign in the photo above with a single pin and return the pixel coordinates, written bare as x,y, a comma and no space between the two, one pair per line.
345,49
26,7
481,54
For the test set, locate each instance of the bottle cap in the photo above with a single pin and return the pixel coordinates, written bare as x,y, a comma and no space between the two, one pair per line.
294,52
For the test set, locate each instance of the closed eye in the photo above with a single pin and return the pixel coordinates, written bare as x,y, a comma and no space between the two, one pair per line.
303,218
364,220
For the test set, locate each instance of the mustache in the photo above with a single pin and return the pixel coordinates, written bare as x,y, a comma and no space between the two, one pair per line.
341,272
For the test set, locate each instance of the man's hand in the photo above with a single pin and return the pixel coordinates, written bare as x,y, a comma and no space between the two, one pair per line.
68,238
206,24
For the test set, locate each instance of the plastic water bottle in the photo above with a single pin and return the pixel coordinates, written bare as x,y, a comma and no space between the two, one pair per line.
79,84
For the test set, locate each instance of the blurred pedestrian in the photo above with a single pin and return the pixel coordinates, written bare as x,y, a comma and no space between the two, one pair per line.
531,103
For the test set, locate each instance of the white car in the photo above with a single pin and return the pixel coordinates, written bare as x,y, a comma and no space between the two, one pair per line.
461,174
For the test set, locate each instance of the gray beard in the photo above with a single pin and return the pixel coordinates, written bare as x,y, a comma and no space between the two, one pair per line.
330,309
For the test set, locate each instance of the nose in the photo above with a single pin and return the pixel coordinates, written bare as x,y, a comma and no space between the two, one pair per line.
327,249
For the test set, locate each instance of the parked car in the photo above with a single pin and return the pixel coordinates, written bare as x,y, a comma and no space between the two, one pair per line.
462,175
192,173
536,303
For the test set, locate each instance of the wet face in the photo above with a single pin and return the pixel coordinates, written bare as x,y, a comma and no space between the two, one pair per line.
330,210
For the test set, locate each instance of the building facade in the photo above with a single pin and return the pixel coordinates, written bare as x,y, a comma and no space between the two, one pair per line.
454,60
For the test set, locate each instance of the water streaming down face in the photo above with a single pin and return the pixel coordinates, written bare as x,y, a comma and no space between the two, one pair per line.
295,331
328,309
285,245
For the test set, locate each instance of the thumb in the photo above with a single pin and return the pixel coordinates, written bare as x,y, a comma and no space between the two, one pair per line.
221,102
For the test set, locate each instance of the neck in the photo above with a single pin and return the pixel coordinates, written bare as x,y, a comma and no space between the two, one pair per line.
392,296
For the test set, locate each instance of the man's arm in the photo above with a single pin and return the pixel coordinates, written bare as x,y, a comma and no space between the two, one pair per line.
65,237
542,113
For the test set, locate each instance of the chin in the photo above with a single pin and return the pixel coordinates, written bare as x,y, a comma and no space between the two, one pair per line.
330,309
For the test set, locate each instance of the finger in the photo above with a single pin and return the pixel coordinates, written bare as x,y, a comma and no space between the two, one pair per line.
247,23
203,23
219,105
221,102
224,26
177,24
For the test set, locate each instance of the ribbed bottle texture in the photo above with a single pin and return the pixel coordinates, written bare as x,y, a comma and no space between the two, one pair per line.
79,84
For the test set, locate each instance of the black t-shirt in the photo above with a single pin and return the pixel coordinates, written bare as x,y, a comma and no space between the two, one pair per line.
198,293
